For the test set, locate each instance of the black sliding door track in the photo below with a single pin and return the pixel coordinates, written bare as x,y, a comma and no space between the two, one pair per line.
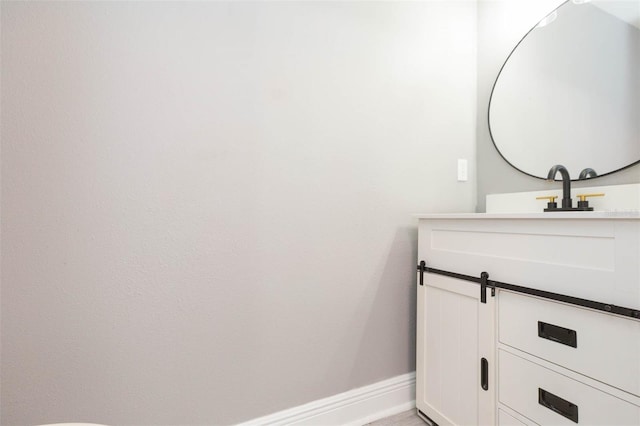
485,282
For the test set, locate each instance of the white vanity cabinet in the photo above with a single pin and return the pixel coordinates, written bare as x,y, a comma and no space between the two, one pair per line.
556,338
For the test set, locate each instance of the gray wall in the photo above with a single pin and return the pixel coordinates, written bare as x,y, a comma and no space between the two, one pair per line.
501,24
206,206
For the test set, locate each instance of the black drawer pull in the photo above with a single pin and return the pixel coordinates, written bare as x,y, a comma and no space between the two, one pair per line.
558,405
558,334
484,374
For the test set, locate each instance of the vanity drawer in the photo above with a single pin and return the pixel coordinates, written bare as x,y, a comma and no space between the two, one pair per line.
602,346
506,419
549,398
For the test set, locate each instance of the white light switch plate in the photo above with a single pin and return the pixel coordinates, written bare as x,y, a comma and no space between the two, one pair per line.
462,170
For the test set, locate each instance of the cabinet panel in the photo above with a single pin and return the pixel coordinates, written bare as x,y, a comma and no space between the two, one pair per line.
547,397
606,346
588,259
454,334
593,252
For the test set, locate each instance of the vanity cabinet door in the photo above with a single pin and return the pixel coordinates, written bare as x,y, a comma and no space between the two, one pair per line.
455,369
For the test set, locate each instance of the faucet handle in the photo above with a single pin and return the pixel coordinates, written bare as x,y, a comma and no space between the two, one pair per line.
583,197
583,203
552,201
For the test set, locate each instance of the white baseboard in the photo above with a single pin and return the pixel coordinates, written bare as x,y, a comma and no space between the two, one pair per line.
353,408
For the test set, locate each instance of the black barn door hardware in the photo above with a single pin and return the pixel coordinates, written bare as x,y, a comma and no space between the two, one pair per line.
484,374
485,282
426,418
422,268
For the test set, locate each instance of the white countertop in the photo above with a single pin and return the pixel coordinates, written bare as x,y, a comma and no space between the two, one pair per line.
609,215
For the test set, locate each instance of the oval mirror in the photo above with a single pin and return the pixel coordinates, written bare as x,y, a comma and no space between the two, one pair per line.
569,92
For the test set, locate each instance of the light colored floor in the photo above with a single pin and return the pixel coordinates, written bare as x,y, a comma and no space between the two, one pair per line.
406,418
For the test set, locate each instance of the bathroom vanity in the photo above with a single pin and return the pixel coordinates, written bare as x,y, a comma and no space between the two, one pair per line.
534,318
529,318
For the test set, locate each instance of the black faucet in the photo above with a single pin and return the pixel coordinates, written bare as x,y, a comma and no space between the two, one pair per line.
587,173
566,184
